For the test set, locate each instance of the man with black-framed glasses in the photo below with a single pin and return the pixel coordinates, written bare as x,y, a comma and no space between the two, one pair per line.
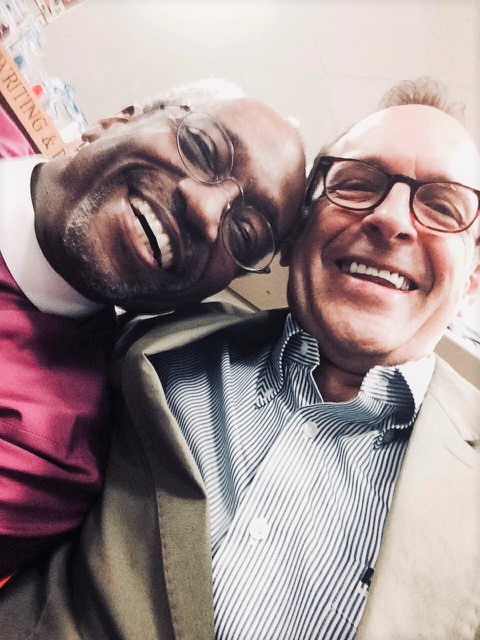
440,206
311,475
387,258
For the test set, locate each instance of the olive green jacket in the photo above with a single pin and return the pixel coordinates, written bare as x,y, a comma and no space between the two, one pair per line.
140,568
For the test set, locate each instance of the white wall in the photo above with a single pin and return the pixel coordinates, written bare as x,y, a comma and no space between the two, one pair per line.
327,62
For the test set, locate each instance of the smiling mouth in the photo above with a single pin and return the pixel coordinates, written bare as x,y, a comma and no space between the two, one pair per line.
380,276
151,233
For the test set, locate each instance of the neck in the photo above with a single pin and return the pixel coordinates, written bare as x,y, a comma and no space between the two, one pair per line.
336,384
44,198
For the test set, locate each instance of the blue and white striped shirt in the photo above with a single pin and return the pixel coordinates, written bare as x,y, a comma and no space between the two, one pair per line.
298,489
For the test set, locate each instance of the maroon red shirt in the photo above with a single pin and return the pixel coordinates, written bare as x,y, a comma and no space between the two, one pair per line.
53,414
54,404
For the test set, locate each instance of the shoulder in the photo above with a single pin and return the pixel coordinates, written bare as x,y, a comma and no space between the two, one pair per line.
150,336
153,334
458,398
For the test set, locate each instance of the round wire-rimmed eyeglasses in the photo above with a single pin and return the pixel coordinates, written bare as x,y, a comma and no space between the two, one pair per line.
207,153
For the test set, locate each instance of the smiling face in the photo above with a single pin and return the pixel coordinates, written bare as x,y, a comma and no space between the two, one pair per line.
376,288
87,206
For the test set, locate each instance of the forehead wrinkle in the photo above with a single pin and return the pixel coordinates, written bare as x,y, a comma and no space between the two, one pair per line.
441,148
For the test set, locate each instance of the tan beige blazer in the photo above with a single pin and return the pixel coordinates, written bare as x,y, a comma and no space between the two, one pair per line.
140,568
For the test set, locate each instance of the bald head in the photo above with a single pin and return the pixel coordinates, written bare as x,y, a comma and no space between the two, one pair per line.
416,131
272,150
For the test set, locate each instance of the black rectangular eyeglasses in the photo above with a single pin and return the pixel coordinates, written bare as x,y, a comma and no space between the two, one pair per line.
445,207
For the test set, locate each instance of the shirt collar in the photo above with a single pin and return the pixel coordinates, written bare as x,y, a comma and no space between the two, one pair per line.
294,344
42,285
408,381
403,386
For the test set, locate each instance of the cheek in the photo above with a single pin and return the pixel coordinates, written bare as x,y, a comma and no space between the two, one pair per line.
220,270
325,228
452,260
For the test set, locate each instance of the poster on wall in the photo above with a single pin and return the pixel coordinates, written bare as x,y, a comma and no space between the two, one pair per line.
52,9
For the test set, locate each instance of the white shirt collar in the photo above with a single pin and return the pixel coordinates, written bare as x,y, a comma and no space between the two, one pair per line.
42,285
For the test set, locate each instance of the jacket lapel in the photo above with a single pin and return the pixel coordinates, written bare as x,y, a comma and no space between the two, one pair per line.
180,501
426,580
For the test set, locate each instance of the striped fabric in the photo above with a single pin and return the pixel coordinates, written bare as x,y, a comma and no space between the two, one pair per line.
298,489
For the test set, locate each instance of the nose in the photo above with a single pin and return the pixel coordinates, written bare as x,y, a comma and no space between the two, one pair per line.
205,204
392,219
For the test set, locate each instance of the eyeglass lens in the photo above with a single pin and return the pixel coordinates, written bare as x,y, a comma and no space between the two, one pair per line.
248,236
441,206
205,148
207,153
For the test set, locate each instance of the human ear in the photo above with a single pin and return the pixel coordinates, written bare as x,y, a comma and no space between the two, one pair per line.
472,288
95,131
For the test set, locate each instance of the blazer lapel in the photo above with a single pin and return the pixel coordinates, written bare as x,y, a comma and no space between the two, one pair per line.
426,583
180,500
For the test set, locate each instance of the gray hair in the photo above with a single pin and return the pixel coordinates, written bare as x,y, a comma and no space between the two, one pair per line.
426,91
196,95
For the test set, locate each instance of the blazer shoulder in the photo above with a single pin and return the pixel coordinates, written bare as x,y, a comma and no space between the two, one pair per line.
459,399
155,334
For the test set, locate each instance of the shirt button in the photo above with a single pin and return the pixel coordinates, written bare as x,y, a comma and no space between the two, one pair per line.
389,436
259,529
304,348
310,429
269,393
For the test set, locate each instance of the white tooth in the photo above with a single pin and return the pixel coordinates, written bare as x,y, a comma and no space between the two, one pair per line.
394,279
157,226
140,205
147,211
150,219
167,260
400,281
136,202
163,240
383,273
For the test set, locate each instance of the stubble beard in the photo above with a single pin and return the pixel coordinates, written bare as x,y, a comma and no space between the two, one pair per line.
94,270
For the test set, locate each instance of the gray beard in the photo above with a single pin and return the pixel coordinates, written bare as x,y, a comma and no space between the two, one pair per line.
77,246
96,275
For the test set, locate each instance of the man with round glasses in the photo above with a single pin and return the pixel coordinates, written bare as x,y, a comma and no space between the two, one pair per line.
304,475
168,204
160,208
